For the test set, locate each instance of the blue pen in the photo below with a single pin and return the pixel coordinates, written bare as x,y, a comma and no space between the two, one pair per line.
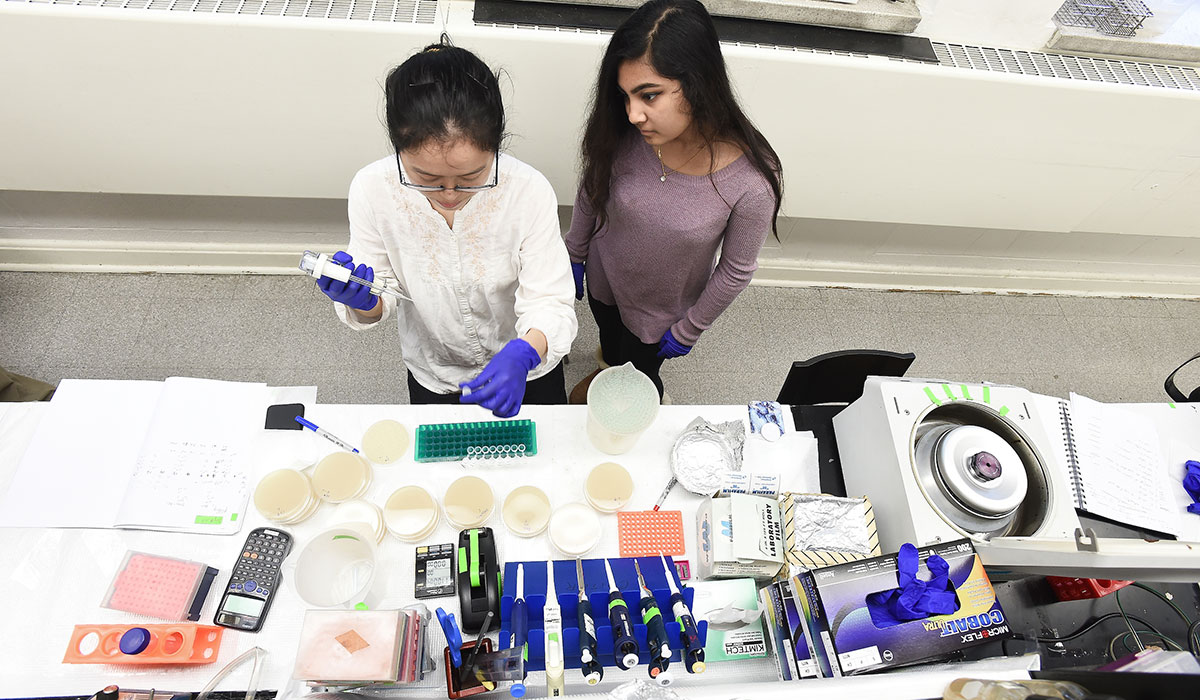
325,434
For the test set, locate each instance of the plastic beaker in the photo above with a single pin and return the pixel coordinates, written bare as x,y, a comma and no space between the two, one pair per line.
337,568
622,402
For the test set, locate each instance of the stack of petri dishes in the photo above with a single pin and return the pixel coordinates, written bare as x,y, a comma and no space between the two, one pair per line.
469,502
608,487
526,511
357,513
385,442
286,496
341,476
411,514
574,529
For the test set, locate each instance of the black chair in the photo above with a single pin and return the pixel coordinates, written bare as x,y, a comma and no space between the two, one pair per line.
819,388
837,377
1174,392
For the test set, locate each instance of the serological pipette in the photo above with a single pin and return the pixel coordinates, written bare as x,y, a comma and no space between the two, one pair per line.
589,654
552,629
319,265
625,646
689,634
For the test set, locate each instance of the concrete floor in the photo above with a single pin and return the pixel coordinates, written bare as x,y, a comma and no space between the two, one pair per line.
282,330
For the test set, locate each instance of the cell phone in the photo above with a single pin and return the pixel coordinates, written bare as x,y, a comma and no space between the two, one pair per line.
256,574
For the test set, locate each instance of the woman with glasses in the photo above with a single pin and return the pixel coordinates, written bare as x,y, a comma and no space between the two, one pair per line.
678,193
468,234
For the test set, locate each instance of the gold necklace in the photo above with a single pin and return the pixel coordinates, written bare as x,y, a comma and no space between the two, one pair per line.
663,166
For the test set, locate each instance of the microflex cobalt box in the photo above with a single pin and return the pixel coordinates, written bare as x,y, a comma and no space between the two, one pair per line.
859,645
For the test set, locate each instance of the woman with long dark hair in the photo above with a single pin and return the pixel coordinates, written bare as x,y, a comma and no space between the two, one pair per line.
469,233
678,193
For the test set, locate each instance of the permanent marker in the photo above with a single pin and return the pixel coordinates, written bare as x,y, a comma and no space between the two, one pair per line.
325,434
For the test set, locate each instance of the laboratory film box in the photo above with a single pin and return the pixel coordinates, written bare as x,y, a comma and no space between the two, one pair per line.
740,536
855,643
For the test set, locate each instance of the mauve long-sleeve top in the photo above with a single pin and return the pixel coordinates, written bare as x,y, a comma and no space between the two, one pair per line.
675,253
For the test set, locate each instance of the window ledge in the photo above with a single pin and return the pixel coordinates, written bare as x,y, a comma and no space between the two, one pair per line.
897,16
1081,40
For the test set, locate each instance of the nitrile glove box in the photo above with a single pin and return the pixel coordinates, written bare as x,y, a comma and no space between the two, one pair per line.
858,645
739,536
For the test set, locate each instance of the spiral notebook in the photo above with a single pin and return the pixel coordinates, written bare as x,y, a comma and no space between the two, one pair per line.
1115,465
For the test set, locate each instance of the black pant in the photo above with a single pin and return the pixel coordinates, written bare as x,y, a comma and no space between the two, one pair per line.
549,388
619,345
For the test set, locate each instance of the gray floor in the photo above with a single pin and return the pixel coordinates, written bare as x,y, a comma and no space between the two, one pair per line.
281,330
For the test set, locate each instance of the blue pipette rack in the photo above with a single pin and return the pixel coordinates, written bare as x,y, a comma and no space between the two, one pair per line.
596,584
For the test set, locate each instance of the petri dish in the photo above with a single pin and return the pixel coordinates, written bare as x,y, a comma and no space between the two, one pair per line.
358,513
410,513
341,476
285,496
574,529
385,442
526,511
468,502
608,487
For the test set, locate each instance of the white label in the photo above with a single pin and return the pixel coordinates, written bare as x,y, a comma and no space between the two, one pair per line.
745,643
859,658
808,669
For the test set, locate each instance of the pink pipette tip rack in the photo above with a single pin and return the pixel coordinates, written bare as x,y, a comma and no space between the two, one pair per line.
161,587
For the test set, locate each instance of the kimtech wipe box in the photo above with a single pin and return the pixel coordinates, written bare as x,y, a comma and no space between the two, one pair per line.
856,642
739,536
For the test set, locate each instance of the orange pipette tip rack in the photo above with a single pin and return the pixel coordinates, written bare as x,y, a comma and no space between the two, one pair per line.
143,644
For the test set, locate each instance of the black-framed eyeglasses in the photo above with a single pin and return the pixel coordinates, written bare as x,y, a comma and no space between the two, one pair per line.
458,188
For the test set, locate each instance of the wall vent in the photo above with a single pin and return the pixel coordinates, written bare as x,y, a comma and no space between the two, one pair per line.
1046,65
404,11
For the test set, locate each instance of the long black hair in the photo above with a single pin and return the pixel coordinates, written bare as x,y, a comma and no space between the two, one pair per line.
679,40
444,93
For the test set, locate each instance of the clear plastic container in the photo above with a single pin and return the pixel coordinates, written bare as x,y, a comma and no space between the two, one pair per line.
975,689
622,402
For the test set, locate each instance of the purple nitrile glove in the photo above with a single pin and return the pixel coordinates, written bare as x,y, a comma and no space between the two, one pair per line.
351,294
913,599
1191,484
500,387
577,272
668,347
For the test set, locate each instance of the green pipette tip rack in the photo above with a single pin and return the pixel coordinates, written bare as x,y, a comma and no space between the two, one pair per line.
499,439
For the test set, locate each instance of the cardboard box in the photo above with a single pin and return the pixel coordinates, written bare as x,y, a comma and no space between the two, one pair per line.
739,536
787,631
854,643
720,602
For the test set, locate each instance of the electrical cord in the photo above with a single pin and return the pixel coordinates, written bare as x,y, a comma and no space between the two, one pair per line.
1092,625
1136,639
1192,640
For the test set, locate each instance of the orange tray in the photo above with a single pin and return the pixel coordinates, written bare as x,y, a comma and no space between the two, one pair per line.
169,644
649,533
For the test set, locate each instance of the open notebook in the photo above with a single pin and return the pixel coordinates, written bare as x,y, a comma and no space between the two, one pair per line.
1115,462
148,455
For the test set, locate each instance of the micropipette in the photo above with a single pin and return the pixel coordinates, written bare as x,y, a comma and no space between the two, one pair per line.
625,646
319,265
656,631
552,627
593,672
693,655
519,627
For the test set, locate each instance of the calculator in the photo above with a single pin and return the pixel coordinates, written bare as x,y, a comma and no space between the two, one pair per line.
256,574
